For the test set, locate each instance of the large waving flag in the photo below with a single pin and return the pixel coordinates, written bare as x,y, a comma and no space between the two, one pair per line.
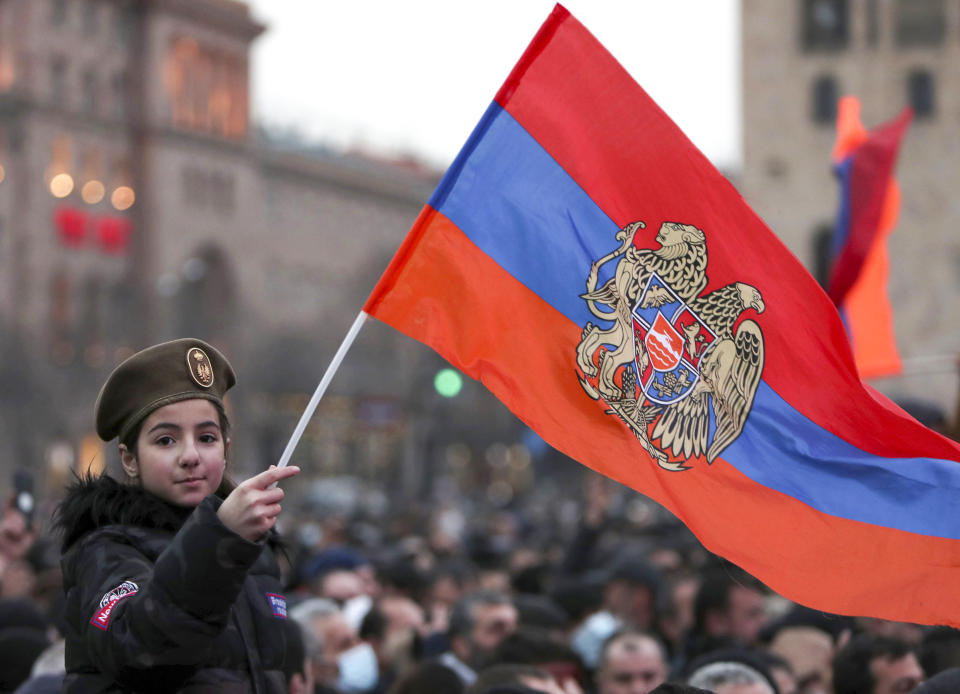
589,265
869,206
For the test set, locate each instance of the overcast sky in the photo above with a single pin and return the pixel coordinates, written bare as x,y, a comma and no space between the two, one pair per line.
414,76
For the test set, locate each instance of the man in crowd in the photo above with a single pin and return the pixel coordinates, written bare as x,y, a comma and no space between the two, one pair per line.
872,664
730,678
332,636
729,610
478,623
631,662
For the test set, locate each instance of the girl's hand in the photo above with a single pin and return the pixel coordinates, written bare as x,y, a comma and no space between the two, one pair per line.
252,508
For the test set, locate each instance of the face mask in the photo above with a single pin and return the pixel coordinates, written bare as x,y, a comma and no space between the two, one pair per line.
588,639
358,669
355,609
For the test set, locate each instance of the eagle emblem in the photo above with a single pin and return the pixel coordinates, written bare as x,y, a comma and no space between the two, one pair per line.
679,367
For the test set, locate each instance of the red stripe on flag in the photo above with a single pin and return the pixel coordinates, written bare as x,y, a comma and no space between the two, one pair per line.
453,297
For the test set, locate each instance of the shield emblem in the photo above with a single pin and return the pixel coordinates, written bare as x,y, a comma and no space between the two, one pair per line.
674,339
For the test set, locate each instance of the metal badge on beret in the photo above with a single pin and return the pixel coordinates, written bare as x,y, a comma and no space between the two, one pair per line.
200,368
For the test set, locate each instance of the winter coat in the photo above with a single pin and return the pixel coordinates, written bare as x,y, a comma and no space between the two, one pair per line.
163,599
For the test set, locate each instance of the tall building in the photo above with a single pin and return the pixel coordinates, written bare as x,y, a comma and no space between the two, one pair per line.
799,57
138,204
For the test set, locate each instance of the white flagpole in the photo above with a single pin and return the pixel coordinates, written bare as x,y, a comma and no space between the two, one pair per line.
321,388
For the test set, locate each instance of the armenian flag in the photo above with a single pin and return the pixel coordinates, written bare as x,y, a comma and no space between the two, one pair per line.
868,211
590,266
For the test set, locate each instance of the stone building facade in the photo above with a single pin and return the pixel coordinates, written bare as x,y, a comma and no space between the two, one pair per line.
138,204
798,58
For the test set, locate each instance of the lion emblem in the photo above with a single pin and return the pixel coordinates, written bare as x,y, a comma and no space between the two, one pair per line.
666,358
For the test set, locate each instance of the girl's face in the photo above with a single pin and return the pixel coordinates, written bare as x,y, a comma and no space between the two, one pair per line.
181,452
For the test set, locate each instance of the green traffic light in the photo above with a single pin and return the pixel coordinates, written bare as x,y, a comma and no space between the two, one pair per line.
448,382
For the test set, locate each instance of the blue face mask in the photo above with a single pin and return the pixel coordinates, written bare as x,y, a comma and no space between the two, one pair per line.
359,671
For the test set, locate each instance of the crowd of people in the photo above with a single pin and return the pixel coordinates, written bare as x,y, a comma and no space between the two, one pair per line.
204,585
422,612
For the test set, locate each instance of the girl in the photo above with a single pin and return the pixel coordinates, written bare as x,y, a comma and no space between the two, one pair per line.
170,577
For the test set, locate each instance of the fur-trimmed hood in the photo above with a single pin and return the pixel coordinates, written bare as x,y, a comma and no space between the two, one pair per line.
94,502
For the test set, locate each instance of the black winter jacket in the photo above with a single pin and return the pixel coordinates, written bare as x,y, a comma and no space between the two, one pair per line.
165,599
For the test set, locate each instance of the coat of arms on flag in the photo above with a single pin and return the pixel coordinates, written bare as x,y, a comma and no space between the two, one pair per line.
674,366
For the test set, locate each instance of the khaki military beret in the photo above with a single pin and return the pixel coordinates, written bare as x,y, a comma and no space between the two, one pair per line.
157,376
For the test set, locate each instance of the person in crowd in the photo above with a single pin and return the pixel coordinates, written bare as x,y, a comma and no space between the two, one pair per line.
541,612
631,662
296,662
393,628
499,677
678,688
730,678
872,664
729,610
631,593
780,670
478,623
19,649
46,675
939,650
530,645
945,682
428,677
331,636
756,660
169,572
909,633
675,616
16,537
809,651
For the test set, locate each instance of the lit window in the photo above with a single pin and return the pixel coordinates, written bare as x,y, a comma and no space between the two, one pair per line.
824,100
920,23
920,93
825,25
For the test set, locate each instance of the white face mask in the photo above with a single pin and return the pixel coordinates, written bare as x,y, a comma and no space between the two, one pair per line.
588,639
359,671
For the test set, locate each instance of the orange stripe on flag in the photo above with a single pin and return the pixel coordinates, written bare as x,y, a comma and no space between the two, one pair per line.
868,310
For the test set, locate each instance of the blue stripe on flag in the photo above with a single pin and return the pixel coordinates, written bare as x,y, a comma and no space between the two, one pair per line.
783,450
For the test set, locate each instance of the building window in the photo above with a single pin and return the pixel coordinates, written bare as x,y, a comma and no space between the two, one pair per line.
58,12
822,253
826,25
118,85
58,81
920,93
920,23
824,100
122,21
208,190
873,22
206,89
90,9
88,95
